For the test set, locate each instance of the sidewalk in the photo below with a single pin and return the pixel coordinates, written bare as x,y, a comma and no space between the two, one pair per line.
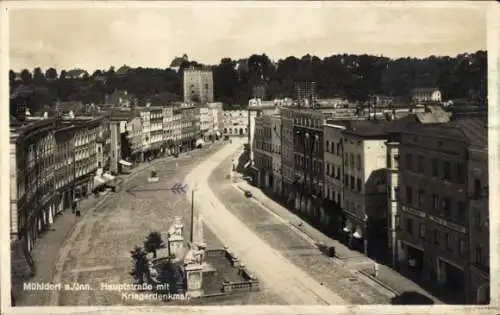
387,277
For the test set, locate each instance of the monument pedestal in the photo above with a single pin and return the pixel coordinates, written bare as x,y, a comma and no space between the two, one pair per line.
194,279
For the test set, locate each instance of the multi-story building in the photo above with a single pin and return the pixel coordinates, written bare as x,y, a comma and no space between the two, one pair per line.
276,154
218,117
117,127
333,172
287,155
190,122
308,163
85,155
424,95
198,85
257,106
478,214
364,176
206,122
32,150
235,122
263,159
433,202
305,93
156,133
103,144
146,132
134,135
168,129
177,129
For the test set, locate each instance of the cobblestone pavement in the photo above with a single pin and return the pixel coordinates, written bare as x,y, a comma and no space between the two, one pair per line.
96,248
276,273
296,247
351,259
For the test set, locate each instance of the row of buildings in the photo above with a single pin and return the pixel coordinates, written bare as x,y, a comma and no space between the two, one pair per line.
57,160
414,187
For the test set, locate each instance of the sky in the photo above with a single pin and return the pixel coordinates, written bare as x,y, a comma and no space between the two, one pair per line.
98,37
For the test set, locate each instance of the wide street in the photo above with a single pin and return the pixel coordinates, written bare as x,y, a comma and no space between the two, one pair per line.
294,247
98,249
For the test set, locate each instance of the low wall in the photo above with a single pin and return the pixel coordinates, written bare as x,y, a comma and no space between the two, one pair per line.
249,284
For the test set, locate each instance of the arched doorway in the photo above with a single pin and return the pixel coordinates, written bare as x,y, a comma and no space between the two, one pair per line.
483,294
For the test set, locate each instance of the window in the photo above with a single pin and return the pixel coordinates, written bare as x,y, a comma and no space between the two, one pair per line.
388,159
327,168
346,180
327,146
434,167
351,160
358,181
338,149
461,247
358,162
448,242
461,212
421,165
447,208
477,220
421,231
409,162
346,159
352,182
396,193
460,173
409,226
477,189
435,201
436,237
338,173
478,256
409,195
446,170
421,198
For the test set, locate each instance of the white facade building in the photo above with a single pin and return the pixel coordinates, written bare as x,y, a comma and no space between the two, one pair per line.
364,177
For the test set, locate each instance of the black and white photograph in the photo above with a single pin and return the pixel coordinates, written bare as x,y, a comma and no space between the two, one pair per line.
247,153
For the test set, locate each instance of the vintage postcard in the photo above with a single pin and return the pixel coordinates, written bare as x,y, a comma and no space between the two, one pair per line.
266,154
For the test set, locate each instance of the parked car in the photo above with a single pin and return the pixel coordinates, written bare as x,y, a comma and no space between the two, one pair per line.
248,194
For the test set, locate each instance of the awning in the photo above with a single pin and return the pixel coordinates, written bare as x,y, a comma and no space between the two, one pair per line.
358,233
125,163
348,226
108,176
99,181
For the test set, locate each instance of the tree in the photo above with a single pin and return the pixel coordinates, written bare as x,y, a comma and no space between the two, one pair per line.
153,242
12,76
140,264
26,76
38,76
51,74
